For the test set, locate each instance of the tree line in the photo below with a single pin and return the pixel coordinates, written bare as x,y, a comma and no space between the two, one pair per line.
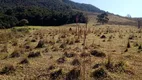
37,16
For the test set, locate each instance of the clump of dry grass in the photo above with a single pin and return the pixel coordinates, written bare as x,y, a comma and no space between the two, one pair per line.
99,74
15,54
63,45
4,49
24,61
63,36
140,47
58,40
103,37
70,41
98,53
77,40
74,74
14,43
8,69
56,74
84,54
69,55
121,36
54,48
136,44
33,40
126,50
117,67
75,62
61,60
97,66
128,44
120,66
51,67
131,37
6,36
40,44
34,54
70,29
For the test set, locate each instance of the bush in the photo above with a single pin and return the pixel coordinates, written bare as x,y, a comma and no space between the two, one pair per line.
23,22
7,21
102,18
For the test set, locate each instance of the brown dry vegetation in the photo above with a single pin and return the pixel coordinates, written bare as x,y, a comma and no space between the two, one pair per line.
113,20
58,53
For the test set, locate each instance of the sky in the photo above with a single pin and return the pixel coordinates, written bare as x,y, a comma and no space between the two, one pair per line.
120,7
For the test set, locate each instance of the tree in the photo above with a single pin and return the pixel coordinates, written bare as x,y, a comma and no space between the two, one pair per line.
103,18
9,12
128,16
23,22
8,21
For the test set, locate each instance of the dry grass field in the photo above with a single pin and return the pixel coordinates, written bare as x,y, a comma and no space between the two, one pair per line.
107,52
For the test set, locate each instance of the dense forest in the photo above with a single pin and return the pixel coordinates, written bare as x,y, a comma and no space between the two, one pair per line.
42,12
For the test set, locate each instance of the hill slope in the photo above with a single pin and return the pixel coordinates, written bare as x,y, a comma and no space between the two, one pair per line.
50,4
82,7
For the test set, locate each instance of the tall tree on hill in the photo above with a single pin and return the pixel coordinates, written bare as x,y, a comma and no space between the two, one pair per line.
103,18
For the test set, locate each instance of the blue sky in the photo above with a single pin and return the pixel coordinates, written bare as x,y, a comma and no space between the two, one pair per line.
120,7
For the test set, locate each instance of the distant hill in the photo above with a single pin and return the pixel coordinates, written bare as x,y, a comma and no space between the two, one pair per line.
58,5
82,6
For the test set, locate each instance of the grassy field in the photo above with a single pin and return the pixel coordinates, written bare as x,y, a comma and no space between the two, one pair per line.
105,52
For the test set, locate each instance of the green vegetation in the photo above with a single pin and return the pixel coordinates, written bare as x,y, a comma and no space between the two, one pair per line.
42,12
37,16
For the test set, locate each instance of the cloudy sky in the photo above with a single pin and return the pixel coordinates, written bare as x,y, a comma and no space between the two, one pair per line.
121,7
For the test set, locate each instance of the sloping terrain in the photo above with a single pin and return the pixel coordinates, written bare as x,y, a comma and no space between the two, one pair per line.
50,4
113,19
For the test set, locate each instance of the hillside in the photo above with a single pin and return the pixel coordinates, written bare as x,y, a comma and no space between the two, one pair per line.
50,4
113,19
42,12
82,6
